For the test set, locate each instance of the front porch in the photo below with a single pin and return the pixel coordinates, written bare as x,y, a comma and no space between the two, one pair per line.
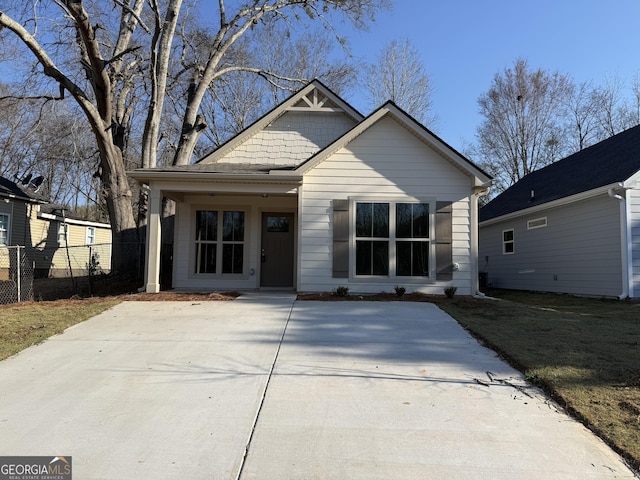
231,234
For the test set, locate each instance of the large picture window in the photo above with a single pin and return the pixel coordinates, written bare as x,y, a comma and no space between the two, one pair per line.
392,239
219,241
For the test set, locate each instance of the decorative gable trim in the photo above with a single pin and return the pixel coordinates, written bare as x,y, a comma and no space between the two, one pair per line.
314,97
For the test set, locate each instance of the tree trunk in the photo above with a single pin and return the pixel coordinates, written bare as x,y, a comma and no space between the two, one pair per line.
125,249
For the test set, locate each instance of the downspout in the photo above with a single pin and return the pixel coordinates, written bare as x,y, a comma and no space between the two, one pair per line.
625,243
478,193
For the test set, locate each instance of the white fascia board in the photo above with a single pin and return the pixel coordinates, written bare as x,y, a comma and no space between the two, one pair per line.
74,221
555,203
195,176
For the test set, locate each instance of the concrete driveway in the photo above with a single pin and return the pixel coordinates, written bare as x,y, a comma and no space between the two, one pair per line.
267,388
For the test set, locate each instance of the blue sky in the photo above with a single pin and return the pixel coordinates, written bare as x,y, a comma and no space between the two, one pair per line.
464,43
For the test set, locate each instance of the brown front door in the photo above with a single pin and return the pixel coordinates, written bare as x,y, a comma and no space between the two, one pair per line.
277,250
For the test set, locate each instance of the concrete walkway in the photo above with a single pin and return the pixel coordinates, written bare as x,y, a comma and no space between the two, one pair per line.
265,388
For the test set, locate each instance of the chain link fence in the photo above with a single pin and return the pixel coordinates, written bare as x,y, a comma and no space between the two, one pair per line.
51,273
16,275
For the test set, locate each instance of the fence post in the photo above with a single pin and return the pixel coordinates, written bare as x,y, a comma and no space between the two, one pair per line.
18,272
90,270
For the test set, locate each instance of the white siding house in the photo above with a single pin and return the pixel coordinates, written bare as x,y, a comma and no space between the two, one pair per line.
313,196
572,227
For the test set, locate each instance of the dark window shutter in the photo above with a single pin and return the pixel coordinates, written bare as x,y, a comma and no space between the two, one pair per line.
341,239
444,251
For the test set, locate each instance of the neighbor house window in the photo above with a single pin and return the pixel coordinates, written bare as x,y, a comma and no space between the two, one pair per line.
91,235
62,233
219,241
537,223
392,239
4,229
507,242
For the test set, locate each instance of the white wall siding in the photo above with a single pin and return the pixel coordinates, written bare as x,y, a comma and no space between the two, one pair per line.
578,252
291,139
389,163
634,222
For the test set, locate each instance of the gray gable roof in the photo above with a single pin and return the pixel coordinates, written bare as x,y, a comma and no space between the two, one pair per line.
613,160
11,189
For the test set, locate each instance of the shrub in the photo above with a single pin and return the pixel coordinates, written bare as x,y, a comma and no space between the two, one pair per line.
450,291
400,290
341,291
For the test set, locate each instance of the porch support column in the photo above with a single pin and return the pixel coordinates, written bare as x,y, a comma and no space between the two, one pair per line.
154,241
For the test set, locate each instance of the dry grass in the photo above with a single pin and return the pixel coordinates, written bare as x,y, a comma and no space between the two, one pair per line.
29,323
584,352
26,324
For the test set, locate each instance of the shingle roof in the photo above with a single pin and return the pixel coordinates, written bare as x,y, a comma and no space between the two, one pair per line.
12,189
611,161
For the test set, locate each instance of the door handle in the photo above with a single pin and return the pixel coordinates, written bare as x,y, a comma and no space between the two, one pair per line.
263,257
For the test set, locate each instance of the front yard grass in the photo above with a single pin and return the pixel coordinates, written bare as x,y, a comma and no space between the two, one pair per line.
26,324
584,352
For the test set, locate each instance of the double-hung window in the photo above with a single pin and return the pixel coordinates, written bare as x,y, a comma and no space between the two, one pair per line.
508,242
91,235
412,239
62,233
372,239
4,229
392,239
219,241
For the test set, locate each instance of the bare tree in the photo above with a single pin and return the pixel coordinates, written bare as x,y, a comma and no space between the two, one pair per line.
399,75
523,116
239,98
582,108
112,57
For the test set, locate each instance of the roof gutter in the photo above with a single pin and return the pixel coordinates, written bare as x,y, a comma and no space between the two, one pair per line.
554,203
478,192
625,239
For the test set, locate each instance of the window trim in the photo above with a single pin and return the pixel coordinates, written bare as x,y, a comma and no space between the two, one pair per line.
511,242
392,276
534,220
7,229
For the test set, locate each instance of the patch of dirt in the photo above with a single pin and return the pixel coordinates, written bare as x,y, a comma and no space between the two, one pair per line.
376,297
180,296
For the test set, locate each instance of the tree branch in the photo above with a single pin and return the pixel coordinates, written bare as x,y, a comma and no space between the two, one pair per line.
122,54
133,13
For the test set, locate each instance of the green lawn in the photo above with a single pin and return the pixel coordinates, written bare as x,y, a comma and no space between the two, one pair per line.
584,352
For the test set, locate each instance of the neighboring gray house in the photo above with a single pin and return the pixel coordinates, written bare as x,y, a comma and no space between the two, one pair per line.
571,227
313,196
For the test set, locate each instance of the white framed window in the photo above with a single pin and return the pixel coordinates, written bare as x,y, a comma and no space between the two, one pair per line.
393,239
537,223
62,233
91,235
219,242
508,242
4,229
